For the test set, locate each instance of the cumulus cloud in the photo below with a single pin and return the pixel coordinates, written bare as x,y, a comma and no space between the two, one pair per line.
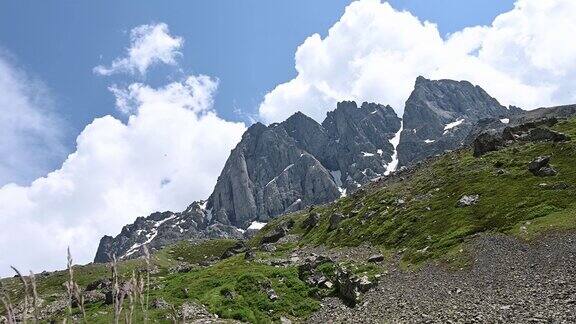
30,134
168,153
149,44
375,53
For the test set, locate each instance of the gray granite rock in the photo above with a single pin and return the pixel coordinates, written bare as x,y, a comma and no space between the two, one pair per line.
161,229
440,114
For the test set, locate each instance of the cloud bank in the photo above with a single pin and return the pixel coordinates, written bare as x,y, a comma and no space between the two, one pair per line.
30,134
168,154
149,44
375,53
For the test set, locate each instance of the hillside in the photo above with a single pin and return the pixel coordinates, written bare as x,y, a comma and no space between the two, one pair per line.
484,235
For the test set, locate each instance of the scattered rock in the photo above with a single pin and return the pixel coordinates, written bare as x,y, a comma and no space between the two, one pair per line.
376,258
487,141
268,247
99,284
159,303
284,320
350,286
545,134
468,200
277,233
540,167
271,294
311,221
249,255
335,220
239,247
94,297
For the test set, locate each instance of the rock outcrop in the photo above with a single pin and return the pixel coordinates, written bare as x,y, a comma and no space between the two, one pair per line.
161,229
440,114
284,167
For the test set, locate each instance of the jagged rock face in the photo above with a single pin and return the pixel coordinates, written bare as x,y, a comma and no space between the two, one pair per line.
439,116
287,166
270,173
161,229
361,137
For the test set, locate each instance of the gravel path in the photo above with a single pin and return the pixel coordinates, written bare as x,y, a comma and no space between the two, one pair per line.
510,282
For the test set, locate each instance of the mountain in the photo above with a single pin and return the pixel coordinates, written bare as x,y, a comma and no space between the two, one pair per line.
459,237
161,229
439,115
285,167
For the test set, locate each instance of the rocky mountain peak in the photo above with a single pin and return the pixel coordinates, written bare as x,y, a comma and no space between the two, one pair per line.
439,115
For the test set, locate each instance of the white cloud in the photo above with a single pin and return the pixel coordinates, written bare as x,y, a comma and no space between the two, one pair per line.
168,154
30,134
149,44
375,53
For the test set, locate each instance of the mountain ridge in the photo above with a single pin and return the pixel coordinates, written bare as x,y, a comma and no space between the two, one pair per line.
284,167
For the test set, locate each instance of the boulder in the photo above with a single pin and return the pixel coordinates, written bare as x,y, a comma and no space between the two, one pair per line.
249,255
239,247
546,135
376,258
335,220
540,167
308,267
99,284
487,141
190,311
273,236
278,232
468,200
90,297
268,247
159,303
350,287
546,171
311,221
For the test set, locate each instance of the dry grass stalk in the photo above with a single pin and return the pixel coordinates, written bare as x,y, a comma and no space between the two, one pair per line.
5,299
175,317
34,296
117,296
26,294
147,258
73,289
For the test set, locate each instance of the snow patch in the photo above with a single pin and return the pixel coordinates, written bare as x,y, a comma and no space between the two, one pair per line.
365,154
380,152
391,167
256,225
429,141
505,120
449,126
336,175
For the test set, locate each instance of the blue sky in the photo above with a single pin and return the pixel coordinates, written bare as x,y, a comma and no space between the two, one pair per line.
249,45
